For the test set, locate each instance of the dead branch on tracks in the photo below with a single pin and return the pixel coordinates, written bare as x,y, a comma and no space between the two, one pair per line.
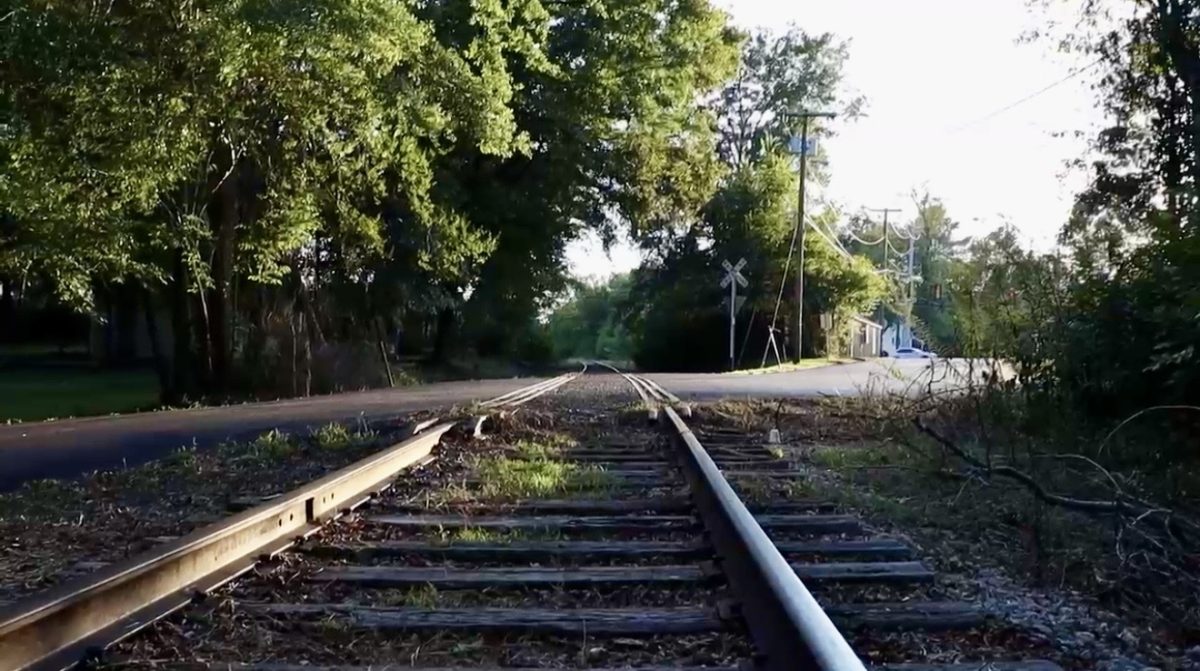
1175,526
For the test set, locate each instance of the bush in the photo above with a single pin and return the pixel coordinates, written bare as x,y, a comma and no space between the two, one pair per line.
534,346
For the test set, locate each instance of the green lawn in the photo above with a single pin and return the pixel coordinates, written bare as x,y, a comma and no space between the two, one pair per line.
45,393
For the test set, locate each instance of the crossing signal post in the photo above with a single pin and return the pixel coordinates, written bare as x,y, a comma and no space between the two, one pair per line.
732,279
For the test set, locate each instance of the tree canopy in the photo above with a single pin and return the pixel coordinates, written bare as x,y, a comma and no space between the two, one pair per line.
269,180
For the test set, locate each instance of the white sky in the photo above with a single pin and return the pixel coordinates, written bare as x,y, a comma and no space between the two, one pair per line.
933,72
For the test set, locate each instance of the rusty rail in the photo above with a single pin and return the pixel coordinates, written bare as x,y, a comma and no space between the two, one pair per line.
59,627
788,626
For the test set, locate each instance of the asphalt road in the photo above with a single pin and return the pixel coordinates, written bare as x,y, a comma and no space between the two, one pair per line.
70,447
893,376
67,448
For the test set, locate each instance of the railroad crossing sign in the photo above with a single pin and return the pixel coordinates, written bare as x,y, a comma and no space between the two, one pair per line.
733,273
732,279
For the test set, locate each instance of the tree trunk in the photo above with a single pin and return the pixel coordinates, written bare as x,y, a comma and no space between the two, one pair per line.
224,221
306,353
441,339
161,365
8,308
1193,79
124,302
183,378
1185,59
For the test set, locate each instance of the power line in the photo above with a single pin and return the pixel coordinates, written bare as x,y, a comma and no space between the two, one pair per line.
860,241
832,241
906,236
1021,101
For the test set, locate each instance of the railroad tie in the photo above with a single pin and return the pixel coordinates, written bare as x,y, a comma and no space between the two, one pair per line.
663,505
808,524
1031,665
607,576
879,549
925,615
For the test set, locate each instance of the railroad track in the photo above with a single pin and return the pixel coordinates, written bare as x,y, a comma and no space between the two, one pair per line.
577,536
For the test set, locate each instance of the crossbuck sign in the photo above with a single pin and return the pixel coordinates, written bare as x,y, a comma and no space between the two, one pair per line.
732,279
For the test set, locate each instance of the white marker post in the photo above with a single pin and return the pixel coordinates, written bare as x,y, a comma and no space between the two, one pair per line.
733,277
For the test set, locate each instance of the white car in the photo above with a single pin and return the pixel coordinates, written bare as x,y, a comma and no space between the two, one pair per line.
911,353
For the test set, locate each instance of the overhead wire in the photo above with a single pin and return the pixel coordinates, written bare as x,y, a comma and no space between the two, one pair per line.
1024,99
832,241
860,241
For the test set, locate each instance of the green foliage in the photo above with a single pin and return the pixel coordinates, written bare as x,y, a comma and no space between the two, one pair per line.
119,123
423,596
836,284
752,217
590,324
1112,326
334,436
268,177
938,256
778,72
676,312
617,140
528,449
1083,342
183,459
534,345
273,444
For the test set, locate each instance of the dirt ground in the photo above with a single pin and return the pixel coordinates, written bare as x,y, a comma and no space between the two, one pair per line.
1057,573
52,530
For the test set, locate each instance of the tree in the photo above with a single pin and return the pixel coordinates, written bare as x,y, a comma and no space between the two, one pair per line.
199,146
779,72
1132,237
750,215
616,141
936,253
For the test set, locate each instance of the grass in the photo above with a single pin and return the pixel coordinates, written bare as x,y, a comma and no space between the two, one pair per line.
534,473
550,447
424,596
851,456
763,489
273,444
49,393
335,436
483,535
185,458
790,367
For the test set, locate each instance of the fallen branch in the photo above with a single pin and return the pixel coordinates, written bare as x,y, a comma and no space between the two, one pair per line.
1118,505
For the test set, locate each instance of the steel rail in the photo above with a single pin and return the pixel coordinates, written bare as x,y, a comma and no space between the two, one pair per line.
662,392
788,626
59,627
525,394
644,392
515,394
557,382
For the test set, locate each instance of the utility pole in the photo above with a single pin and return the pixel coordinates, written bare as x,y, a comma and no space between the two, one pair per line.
883,264
804,117
912,248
